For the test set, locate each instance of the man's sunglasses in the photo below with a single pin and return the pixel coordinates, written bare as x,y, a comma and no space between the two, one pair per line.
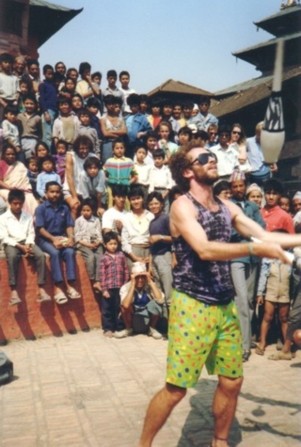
203,158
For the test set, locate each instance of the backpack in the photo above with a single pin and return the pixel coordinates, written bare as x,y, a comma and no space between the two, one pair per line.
6,369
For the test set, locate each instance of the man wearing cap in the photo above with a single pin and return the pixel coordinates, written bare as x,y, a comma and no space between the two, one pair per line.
203,323
140,298
244,270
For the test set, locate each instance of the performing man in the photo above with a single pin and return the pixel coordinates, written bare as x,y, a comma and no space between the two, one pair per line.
204,326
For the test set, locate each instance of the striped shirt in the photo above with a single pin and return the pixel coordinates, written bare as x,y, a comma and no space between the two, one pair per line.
119,170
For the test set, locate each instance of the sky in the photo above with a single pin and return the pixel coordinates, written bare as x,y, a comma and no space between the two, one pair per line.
155,40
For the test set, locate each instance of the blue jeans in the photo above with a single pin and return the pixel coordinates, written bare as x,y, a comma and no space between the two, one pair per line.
65,254
47,128
110,309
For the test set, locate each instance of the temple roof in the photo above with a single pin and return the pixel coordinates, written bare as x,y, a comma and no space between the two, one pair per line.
286,21
262,55
171,86
46,19
249,93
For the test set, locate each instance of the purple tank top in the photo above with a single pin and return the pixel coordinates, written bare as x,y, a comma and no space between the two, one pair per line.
206,281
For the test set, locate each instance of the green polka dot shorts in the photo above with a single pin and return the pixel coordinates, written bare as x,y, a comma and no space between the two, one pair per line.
201,334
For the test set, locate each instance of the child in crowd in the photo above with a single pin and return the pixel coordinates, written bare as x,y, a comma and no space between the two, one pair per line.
142,169
273,291
72,73
30,126
136,123
160,178
66,125
222,190
212,131
25,87
164,131
18,237
47,174
112,89
285,202
68,89
184,135
48,102
93,183
96,79
113,273
85,128
144,104
55,231
150,142
155,117
87,233
8,82
32,174
93,107
10,128
77,103
112,125
86,87
60,159
124,78
120,169
41,150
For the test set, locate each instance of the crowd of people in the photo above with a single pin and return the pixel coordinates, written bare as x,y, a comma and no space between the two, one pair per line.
88,169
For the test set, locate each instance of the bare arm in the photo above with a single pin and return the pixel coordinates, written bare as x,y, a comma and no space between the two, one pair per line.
247,227
69,175
184,222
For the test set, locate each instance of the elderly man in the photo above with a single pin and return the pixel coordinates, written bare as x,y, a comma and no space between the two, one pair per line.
140,299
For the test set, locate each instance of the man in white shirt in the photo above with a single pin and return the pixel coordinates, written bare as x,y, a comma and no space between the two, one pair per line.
227,156
18,236
113,218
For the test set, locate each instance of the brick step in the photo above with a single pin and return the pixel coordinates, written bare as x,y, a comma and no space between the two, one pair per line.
30,320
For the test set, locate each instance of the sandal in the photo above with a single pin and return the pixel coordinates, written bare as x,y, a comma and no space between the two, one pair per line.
43,297
259,350
281,356
73,294
60,298
14,299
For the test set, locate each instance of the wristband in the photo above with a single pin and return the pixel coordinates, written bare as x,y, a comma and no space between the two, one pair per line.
251,249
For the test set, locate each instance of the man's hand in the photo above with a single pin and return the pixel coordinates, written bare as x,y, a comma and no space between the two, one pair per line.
106,294
47,117
118,225
259,299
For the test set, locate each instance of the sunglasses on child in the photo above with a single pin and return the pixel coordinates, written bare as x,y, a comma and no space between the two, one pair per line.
204,158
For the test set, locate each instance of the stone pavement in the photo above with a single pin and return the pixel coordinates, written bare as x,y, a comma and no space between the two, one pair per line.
86,390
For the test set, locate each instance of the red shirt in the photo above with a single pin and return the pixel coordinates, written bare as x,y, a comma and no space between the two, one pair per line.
277,219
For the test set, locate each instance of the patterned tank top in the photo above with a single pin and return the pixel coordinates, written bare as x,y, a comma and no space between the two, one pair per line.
206,281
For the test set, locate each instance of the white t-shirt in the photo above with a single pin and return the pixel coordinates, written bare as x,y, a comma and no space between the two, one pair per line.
109,217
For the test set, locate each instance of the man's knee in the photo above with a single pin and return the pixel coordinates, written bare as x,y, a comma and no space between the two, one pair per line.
230,386
174,394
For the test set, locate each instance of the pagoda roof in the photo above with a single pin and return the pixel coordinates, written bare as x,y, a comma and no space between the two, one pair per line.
262,55
287,20
249,93
171,86
45,19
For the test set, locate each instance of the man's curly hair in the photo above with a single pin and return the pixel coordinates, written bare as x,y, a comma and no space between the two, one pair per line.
179,162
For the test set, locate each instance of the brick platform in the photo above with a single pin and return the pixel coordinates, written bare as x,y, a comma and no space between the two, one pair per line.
30,319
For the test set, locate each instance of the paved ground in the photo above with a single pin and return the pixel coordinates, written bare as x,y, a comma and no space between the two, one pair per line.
85,390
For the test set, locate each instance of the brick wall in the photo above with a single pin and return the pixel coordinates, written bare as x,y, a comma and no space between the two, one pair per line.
30,319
